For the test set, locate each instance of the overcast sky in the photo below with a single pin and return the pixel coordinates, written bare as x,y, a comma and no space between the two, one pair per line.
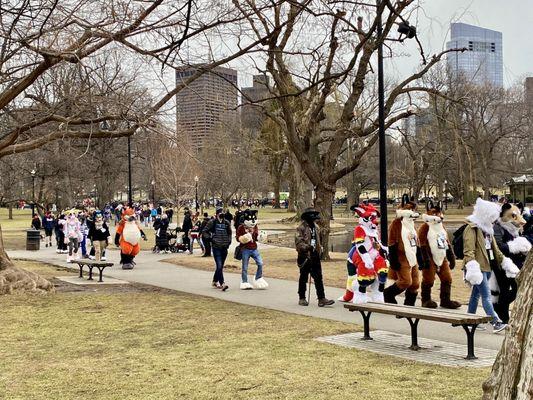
514,18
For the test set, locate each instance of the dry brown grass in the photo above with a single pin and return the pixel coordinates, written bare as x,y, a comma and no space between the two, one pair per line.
154,344
280,262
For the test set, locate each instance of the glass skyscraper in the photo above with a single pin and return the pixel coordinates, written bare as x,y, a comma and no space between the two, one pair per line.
482,62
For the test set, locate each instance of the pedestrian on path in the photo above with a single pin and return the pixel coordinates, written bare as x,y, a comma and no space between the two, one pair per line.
48,225
60,234
205,236
72,236
248,235
220,229
309,249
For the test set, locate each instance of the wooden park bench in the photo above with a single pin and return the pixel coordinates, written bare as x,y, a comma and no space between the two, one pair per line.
469,322
101,265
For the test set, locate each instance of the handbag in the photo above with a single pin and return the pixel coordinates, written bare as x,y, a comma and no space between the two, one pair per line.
238,253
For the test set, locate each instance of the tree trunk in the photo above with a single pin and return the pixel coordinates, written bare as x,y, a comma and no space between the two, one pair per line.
10,211
512,372
323,204
276,183
14,279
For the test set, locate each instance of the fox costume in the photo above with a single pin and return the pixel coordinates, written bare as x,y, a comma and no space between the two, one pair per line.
437,258
127,237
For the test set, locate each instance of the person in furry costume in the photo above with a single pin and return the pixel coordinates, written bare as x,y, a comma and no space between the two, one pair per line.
403,248
127,238
248,235
367,263
507,232
481,255
437,258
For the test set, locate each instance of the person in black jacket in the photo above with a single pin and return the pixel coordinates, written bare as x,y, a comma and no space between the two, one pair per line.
161,234
205,236
186,227
48,225
220,230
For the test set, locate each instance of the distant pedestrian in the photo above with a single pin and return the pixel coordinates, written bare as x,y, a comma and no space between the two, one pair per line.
220,230
36,222
186,228
59,228
48,225
205,236
161,234
73,236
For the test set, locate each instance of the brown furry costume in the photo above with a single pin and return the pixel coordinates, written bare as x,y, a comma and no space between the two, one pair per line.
403,245
437,258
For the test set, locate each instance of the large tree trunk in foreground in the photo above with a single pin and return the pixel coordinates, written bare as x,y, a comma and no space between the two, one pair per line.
323,204
14,279
512,373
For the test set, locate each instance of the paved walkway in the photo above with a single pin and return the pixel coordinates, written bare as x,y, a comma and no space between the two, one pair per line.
281,295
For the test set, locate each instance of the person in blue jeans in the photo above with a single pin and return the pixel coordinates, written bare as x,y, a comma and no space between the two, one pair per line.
481,256
220,230
247,235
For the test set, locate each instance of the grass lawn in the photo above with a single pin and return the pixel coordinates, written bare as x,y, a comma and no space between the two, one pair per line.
280,262
139,342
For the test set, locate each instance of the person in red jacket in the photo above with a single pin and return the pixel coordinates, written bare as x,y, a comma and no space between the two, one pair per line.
248,235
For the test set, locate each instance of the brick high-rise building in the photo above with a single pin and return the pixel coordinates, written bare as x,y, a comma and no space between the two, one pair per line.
208,103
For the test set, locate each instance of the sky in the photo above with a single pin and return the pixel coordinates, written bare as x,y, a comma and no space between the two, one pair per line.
514,18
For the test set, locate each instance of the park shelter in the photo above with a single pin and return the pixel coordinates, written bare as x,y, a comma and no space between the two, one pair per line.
521,188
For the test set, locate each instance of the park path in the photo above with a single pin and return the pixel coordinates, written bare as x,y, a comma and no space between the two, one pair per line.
281,295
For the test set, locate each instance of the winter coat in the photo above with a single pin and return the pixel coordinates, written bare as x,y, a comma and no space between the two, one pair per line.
161,236
206,235
220,233
474,248
96,234
48,223
303,239
187,223
36,223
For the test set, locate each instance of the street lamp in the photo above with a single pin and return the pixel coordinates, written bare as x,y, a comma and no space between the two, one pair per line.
153,192
409,31
196,179
32,192
130,195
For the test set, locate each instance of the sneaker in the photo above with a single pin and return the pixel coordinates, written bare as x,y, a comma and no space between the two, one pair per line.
303,302
481,328
224,287
498,327
325,302
215,285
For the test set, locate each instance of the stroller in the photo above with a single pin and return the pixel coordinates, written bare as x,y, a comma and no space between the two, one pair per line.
175,241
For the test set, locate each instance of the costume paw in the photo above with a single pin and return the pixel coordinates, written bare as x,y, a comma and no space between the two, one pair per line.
511,270
494,289
519,245
377,297
473,273
347,297
262,237
127,266
246,238
260,284
360,298
246,286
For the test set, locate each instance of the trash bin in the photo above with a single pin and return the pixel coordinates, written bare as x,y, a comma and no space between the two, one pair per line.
33,239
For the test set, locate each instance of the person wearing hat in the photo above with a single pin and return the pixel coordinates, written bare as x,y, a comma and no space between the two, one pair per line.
307,242
220,229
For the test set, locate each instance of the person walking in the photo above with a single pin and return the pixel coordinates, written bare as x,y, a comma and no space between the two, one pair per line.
48,225
481,254
161,235
247,235
308,246
195,232
73,236
59,228
36,222
186,228
220,230
205,236
99,236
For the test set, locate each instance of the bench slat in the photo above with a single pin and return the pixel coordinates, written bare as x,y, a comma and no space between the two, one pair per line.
420,313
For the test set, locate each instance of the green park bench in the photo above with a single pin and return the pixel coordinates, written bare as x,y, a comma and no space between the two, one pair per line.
469,322
90,264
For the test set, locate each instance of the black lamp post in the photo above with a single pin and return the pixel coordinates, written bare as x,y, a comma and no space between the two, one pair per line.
445,194
153,192
196,192
409,31
32,192
130,193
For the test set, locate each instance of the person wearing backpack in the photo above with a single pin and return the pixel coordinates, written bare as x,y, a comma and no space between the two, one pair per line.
220,229
481,254
205,236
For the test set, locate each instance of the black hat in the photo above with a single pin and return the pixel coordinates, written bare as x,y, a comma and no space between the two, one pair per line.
310,214
219,211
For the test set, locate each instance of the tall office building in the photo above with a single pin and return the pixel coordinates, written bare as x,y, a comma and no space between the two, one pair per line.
206,104
482,62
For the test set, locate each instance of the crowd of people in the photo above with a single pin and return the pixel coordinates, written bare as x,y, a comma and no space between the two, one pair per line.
493,244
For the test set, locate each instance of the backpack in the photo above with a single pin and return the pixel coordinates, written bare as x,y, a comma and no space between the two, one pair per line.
458,242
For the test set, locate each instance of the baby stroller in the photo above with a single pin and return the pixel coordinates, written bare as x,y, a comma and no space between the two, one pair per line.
175,241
